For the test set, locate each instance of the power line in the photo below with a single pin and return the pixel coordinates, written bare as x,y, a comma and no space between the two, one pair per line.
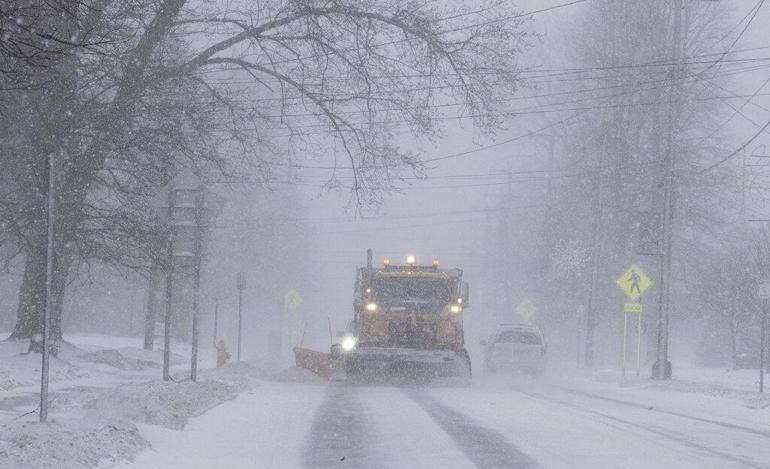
756,9
728,157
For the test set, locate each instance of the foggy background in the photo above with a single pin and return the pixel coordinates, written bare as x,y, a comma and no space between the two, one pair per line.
293,233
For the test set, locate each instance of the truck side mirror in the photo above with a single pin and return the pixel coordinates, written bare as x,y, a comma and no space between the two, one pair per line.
466,294
340,334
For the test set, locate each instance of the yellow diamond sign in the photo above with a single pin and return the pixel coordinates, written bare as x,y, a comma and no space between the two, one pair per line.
526,309
633,282
292,300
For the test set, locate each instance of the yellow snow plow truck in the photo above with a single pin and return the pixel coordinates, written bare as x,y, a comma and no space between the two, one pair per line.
407,320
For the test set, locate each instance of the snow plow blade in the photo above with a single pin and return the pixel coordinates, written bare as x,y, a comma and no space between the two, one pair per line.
387,363
315,361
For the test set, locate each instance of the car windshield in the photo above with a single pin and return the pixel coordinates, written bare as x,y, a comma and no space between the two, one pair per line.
399,292
518,336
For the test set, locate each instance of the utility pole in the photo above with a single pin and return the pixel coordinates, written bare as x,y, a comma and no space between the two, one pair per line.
48,289
662,367
597,241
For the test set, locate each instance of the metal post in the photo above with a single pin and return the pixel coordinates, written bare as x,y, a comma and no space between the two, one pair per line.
240,321
197,260
638,343
48,290
625,335
169,287
241,284
216,319
763,348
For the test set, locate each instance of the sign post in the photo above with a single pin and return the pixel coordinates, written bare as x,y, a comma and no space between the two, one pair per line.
46,337
633,282
292,300
241,284
763,291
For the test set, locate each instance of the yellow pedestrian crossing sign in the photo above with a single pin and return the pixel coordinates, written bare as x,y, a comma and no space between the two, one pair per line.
526,309
633,282
292,300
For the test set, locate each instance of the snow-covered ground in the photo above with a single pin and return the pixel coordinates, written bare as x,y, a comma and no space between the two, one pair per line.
110,409
97,395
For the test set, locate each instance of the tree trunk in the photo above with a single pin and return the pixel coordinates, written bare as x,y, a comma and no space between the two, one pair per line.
29,312
153,291
32,297
76,178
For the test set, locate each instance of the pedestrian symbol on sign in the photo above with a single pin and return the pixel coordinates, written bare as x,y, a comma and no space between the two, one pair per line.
634,282
634,279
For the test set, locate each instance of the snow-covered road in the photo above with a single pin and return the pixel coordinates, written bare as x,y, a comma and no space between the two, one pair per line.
519,425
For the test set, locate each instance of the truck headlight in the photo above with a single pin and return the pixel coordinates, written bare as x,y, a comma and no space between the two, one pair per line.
371,307
455,309
348,343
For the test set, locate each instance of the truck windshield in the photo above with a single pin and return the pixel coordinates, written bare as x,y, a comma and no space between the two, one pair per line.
412,293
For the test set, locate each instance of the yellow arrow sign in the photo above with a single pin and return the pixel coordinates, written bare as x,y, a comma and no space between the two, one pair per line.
633,282
292,300
526,309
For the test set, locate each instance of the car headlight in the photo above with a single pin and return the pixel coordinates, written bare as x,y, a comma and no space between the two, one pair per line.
455,309
348,343
371,307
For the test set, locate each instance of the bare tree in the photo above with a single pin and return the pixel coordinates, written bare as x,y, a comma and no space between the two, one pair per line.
237,90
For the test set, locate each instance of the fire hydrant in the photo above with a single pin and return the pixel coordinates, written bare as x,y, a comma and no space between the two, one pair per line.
222,354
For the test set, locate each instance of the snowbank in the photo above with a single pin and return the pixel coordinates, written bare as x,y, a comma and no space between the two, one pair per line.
163,403
97,394
67,444
18,369
296,374
117,359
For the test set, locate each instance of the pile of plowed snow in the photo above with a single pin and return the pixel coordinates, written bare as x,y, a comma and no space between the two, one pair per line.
67,444
18,368
295,374
117,359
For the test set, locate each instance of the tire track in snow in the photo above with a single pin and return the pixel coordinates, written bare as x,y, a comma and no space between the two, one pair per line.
666,433
650,408
485,447
339,433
